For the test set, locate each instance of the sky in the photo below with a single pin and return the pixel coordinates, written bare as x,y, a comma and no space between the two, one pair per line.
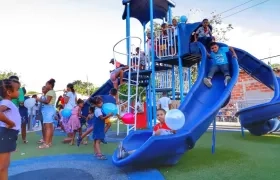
72,39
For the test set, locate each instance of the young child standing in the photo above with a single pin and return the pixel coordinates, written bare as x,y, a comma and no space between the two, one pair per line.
10,123
74,121
158,130
220,63
99,125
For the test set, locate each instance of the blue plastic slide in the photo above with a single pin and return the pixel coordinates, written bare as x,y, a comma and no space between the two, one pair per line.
260,119
103,90
200,107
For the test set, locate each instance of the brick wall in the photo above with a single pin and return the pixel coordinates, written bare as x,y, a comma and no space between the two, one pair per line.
246,84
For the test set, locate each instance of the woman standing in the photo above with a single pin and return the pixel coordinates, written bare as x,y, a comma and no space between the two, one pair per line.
70,100
48,112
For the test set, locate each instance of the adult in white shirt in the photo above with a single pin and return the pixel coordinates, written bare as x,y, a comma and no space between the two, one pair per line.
70,98
164,102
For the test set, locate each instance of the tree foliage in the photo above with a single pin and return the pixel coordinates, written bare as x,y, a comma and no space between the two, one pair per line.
32,93
123,92
219,31
84,88
7,74
276,65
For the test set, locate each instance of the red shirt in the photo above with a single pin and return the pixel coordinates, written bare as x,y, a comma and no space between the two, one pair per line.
161,126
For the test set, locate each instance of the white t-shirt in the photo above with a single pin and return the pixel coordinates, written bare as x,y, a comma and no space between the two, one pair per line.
12,113
72,100
164,103
98,112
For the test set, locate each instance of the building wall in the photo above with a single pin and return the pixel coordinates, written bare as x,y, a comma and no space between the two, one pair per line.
248,88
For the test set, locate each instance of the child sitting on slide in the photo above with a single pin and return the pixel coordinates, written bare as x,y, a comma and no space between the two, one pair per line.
204,34
220,63
158,130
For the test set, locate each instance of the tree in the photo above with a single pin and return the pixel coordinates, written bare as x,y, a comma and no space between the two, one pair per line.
7,74
276,65
32,93
219,31
84,88
123,92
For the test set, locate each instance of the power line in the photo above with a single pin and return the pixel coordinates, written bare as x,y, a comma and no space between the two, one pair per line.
270,57
246,9
235,7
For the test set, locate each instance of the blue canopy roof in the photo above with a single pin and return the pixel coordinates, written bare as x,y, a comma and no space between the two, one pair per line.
140,9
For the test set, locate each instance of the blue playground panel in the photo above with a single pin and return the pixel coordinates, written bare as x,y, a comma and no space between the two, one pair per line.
69,167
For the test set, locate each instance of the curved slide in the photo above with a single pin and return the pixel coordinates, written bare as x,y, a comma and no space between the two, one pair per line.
200,107
259,119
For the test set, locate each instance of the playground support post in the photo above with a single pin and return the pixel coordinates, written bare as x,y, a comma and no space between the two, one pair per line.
153,58
189,78
180,69
214,136
169,15
128,46
173,82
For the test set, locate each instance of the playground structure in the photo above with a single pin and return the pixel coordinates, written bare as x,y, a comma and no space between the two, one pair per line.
201,104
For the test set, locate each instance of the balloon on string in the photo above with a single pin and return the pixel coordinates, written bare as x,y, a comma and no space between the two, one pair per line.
183,19
175,119
30,102
110,108
66,113
128,118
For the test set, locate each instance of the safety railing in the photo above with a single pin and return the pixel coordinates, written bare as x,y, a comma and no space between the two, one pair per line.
165,43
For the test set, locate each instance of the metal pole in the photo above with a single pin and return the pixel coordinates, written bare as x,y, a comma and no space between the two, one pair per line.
153,59
173,82
189,78
180,69
169,15
128,46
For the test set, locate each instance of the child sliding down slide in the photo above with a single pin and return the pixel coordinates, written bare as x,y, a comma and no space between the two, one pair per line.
158,130
220,63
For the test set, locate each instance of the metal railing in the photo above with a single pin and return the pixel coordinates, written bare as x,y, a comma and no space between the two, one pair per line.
165,43
134,64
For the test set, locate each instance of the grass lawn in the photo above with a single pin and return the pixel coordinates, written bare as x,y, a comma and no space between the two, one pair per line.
236,158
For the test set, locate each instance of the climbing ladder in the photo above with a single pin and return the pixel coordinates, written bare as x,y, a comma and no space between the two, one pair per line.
132,82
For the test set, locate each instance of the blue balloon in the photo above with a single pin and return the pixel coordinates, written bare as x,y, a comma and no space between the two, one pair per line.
175,119
66,113
110,108
183,19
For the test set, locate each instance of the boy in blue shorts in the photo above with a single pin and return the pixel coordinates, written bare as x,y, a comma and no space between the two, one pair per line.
220,63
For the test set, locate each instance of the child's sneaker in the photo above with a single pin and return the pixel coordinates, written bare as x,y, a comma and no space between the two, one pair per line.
120,149
207,82
227,80
79,140
103,141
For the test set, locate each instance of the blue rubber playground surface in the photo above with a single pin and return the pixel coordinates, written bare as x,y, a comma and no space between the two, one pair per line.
73,167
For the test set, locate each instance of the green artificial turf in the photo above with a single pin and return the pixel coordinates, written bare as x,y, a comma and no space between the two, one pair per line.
236,158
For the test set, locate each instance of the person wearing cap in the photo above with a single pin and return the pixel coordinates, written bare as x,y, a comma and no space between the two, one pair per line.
116,63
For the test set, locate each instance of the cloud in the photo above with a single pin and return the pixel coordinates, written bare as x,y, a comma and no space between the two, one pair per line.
259,44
